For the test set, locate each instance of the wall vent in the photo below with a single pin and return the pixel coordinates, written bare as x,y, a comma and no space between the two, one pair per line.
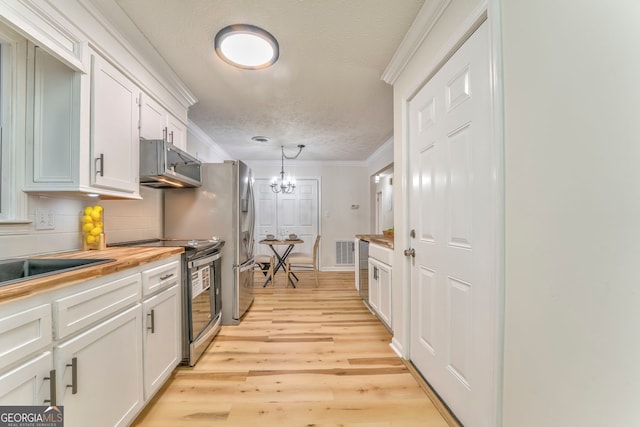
344,252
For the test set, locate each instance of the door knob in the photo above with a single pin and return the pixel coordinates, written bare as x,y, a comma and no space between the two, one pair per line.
410,252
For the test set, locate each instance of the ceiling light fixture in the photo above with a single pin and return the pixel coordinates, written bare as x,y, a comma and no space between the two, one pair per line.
247,47
285,186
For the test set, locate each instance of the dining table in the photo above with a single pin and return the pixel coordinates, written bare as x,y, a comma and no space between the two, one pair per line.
282,258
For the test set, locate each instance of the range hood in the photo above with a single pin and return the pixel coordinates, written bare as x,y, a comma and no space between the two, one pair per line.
163,165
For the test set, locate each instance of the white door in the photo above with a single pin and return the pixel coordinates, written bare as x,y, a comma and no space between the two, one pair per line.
266,214
283,214
453,285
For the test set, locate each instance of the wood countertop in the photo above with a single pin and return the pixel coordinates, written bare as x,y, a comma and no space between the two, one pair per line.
124,258
378,239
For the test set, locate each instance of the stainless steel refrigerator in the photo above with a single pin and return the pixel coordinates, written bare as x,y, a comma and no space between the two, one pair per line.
222,207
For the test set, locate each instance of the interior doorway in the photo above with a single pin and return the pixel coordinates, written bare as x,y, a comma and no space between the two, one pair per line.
382,199
283,214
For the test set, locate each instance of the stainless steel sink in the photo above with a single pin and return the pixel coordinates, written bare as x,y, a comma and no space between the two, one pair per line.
19,269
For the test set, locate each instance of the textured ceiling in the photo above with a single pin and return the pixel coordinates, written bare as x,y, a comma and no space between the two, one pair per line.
325,90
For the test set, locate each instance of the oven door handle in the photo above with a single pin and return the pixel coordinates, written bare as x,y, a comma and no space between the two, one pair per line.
203,261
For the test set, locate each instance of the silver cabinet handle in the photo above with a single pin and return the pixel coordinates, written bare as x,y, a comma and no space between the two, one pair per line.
74,376
164,134
167,276
52,388
171,135
375,273
152,328
100,159
410,252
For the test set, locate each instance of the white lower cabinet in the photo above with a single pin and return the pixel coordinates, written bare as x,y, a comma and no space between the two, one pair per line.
108,343
162,338
100,372
380,282
28,383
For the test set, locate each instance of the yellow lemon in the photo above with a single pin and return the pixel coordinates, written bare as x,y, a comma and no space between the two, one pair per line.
98,208
88,210
96,230
87,219
96,215
99,224
90,239
87,227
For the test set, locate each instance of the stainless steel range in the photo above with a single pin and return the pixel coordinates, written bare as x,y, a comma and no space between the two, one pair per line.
201,291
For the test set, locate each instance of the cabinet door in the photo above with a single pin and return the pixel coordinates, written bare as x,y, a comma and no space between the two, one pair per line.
384,286
53,146
162,335
374,285
176,132
114,128
153,118
28,384
100,372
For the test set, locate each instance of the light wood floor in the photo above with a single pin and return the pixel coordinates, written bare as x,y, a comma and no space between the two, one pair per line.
301,357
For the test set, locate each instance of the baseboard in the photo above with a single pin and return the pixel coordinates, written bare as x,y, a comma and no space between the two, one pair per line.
444,410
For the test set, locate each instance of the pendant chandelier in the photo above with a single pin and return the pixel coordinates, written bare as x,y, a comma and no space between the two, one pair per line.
288,185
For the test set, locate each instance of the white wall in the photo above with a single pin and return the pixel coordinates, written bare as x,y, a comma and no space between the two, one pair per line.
572,152
126,220
572,203
200,145
64,237
341,185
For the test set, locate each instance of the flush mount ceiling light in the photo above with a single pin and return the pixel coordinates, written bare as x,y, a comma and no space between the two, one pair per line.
247,47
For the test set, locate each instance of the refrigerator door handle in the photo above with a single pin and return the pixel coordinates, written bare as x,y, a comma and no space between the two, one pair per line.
252,218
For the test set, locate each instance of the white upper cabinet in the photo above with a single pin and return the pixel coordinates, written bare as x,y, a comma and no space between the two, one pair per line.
83,108
114,128
82,130
176,132
157,123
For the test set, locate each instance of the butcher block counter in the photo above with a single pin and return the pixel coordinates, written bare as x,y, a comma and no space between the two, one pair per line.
123,258
378,239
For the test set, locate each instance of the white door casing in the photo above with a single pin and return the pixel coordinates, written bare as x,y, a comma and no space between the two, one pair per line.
283,214
453,278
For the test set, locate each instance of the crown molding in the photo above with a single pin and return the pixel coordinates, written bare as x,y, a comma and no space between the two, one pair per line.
201,135
426,19
381,151
116,23
308,163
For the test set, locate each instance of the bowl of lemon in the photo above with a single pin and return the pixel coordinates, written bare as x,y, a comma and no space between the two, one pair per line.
93,228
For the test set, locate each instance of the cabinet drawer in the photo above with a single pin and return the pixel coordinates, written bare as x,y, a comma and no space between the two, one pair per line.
382,254
24,332
77,311
156,279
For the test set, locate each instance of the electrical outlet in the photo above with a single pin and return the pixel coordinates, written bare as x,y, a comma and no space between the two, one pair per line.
44,219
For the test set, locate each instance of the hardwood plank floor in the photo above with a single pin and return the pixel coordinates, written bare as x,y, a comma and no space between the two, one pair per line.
301,357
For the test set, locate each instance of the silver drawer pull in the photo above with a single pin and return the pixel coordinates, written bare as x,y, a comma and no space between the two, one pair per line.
52,388
167,276
152,328
100,159
74,376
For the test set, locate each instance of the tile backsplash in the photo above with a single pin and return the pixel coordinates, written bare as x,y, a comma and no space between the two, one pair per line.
124,220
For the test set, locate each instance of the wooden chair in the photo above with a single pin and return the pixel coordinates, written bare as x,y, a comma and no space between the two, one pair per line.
266,264
304,260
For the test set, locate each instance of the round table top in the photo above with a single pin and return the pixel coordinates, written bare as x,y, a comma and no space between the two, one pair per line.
281,242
